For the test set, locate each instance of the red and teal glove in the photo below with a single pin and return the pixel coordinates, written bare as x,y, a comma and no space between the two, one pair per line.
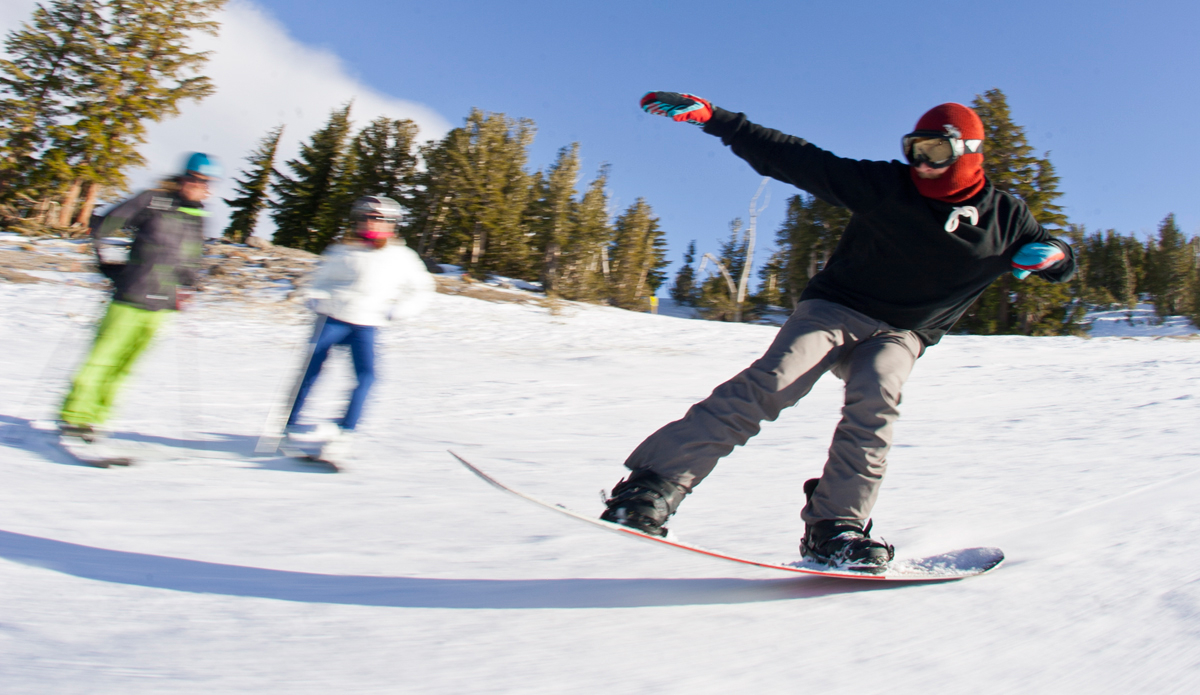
1036,256
680,107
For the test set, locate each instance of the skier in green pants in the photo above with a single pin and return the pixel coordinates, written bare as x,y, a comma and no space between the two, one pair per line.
168,240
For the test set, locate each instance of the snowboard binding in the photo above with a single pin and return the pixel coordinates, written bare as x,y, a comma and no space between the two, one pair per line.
844,544
643,501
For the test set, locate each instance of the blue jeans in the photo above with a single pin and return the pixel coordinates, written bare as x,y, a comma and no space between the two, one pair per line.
361,340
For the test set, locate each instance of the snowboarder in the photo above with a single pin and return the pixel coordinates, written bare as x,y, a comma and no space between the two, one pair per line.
924,240
361,284
161,272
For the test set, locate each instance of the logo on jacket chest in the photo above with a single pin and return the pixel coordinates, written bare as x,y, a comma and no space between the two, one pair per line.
968,211
160,203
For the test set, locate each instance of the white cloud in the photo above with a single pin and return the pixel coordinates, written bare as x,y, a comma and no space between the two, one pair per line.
264,78
13,12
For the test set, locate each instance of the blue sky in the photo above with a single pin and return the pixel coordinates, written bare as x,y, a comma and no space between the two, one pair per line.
1109,88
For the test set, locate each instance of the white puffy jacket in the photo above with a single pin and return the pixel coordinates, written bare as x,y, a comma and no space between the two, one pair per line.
369,287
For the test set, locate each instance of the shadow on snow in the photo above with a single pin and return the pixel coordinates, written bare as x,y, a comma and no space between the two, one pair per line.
194,576
20,433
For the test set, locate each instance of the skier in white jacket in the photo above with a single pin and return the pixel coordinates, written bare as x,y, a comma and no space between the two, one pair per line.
361,284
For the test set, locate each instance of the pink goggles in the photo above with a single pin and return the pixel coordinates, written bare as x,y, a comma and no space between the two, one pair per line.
371,234
377,231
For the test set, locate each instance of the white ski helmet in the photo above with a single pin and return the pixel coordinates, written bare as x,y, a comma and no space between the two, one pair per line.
376,206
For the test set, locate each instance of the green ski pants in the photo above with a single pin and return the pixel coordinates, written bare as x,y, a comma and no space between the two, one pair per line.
123,334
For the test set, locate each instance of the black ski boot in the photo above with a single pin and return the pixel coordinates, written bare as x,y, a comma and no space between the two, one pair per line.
844,544
643,502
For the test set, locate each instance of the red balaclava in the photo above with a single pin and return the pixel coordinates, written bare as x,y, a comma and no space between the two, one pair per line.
964,177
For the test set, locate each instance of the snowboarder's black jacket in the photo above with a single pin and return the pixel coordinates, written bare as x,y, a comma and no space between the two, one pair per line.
896,261
168,240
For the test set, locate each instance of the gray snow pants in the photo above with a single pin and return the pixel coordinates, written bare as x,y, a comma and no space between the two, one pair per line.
872,357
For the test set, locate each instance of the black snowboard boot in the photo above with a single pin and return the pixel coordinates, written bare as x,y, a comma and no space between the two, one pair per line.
844,544
643,502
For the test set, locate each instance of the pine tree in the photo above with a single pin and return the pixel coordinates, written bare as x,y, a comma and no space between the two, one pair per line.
1123,275
1009,162
253,195
638,257
536,218
382,161
807,238
1109,276
1032,306
554,221
429,205
1171,269
1193,306
1135,251
476,194
1090,266
38,82
145,72
584,266
306,206
83,82
334,214
684,290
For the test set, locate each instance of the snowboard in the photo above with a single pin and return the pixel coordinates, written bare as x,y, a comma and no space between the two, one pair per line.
957,564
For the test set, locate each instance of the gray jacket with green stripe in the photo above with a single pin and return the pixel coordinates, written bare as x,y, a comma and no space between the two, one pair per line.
168,240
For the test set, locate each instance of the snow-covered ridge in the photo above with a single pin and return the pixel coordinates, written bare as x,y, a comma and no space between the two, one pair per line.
269,274
1140,321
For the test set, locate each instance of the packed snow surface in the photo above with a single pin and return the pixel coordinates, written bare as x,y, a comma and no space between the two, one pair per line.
209,569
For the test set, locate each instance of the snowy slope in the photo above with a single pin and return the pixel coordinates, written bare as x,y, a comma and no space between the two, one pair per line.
1140,321
207,569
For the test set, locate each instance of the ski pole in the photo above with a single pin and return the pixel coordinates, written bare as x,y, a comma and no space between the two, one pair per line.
59,344
272,431
189,379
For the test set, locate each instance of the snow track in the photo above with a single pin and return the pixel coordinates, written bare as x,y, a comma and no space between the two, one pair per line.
210,569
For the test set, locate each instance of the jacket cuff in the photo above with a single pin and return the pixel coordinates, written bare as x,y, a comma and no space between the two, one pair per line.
1068,253
1063,269
723,122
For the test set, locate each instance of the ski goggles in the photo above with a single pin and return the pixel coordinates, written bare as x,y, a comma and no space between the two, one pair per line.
377,227
198,179
936,149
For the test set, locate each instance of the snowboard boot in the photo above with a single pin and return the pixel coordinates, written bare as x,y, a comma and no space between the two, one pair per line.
843,543
643,502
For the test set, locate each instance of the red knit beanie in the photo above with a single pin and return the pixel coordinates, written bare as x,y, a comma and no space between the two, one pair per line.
963,178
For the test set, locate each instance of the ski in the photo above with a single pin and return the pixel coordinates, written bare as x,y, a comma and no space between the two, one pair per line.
91,454
958,564
310,458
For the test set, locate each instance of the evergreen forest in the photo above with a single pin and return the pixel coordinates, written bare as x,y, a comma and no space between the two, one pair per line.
83,79
469,200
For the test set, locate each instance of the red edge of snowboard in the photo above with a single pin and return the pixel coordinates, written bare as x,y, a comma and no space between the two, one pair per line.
958,564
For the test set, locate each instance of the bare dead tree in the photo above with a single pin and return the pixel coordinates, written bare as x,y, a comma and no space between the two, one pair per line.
750,231
737,292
